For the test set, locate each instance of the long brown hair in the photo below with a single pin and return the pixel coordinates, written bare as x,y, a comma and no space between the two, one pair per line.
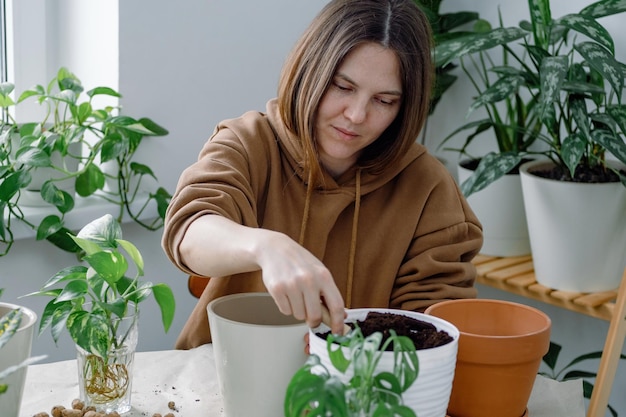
398,25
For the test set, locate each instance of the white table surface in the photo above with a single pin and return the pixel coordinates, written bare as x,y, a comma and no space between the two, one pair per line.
189,379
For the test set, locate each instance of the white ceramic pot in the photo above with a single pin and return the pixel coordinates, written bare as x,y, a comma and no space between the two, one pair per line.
577,231
430,393
500,209
16,351
257,351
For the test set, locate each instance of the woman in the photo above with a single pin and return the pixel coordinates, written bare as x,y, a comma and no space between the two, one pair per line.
325,198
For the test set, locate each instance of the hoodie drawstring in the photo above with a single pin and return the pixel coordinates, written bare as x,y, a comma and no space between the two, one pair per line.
355,227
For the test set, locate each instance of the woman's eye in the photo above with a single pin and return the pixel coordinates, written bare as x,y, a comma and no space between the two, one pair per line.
342,87
386,101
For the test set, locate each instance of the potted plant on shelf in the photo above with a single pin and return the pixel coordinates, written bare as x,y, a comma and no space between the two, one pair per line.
98,304
575,87
509,120
17,325
59,161
375,369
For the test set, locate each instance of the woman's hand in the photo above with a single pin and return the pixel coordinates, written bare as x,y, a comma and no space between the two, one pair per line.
299,282
295,278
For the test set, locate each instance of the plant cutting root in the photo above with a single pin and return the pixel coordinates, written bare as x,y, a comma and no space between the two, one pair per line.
104,382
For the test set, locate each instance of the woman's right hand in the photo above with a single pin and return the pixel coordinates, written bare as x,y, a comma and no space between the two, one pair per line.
295,278
299,282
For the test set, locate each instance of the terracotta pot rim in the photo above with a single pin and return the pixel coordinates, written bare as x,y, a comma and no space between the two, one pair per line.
546,327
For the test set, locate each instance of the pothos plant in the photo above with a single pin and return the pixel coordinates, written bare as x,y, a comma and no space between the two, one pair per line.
315,391
81,147
89,300
9,324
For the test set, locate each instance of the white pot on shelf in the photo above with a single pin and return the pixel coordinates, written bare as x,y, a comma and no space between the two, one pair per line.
500,209
16,351
577,231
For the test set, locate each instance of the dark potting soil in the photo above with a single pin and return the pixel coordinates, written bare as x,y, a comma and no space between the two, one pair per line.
423,334
585,174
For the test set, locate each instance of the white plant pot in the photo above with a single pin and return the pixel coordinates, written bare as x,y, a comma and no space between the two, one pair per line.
16,351
500,209
430,393
577,231
257,351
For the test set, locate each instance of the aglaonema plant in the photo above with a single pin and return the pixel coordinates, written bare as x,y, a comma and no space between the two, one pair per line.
316,391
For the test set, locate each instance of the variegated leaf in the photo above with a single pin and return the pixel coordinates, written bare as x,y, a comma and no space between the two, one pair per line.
491,167
578,108
581,88
590,27
604,8
618,113
456,48
9,323
553,71
541,17
603,62
572,151
500,90
613,143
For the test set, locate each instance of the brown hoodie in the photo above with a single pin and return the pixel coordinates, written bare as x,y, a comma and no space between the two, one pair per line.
402,239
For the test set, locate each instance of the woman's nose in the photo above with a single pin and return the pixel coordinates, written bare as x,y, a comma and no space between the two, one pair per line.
356,111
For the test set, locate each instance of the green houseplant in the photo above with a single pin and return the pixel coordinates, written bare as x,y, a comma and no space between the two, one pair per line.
98,304
571,87
314,391
568,371
445,26
63,156
566,70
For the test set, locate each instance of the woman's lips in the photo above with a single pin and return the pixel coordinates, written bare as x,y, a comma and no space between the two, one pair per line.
346,134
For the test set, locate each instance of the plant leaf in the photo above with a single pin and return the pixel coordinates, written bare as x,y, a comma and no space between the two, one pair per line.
111,266
611,142
553,72
9,323
167,303
572,151
604,63
491,167
89,181
588,26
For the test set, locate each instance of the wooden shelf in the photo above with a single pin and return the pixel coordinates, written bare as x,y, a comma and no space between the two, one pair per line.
516,275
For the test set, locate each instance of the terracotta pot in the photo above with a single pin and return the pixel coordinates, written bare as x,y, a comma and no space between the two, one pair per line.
500,351
430,393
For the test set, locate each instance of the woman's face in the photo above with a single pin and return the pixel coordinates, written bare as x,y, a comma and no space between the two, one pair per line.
362,101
